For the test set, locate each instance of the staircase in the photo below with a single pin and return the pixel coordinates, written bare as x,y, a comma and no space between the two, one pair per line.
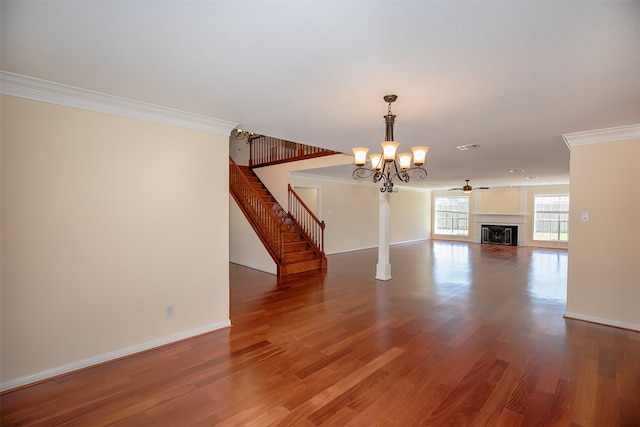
292,248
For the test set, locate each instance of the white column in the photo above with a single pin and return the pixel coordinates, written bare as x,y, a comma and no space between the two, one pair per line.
383,269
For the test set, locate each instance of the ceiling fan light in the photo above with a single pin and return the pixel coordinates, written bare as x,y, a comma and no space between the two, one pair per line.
389,150
360,155
419,155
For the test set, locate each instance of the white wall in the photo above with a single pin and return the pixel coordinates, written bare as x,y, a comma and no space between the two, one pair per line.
239,150
500,200
506,202
276,177
604,267
350,211
410,215
105,221
310,196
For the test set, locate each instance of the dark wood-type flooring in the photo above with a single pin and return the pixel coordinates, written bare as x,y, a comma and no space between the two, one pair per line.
463,335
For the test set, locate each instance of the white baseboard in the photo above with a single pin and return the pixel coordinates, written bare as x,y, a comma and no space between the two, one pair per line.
362,248
344,251
602,321
404,242
113,355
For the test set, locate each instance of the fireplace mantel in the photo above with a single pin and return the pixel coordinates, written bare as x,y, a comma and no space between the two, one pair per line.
518,219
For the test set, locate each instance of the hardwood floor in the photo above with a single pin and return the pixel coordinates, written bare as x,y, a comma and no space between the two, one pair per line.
463,335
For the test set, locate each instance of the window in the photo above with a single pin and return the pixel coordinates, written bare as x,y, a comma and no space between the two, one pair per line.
452,216
551,217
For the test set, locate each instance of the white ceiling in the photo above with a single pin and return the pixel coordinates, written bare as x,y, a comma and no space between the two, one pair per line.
509,76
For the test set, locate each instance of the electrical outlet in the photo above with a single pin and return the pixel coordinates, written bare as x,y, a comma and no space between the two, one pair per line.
168,310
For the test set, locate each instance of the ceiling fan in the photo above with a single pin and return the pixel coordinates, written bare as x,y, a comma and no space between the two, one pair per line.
467,188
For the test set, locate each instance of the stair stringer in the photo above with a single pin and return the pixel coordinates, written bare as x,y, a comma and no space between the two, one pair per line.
245,248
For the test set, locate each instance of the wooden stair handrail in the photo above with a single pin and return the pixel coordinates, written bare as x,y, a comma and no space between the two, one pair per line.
308,223
265,222
266,150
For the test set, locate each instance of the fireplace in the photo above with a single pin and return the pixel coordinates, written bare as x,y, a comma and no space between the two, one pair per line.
516,220
506,235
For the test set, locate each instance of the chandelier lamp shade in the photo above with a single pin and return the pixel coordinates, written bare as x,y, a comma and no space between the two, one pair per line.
390,165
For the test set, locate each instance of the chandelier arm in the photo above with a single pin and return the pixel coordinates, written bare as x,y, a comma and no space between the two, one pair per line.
362,173
400,173
403,176
418,172
247,136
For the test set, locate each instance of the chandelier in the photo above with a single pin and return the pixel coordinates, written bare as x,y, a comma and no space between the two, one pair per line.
387,166
248,136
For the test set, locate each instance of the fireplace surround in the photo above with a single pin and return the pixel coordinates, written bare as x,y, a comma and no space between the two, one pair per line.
520,220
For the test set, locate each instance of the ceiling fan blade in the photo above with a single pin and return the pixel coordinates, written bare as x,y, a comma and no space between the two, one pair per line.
468,188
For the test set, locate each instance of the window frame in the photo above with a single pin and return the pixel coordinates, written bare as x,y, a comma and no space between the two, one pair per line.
455,231
562,225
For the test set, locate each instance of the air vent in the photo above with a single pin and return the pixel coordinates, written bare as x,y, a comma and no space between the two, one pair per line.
467,147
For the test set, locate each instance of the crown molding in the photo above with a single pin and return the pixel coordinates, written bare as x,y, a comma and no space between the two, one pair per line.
55,93
620,133
348,180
